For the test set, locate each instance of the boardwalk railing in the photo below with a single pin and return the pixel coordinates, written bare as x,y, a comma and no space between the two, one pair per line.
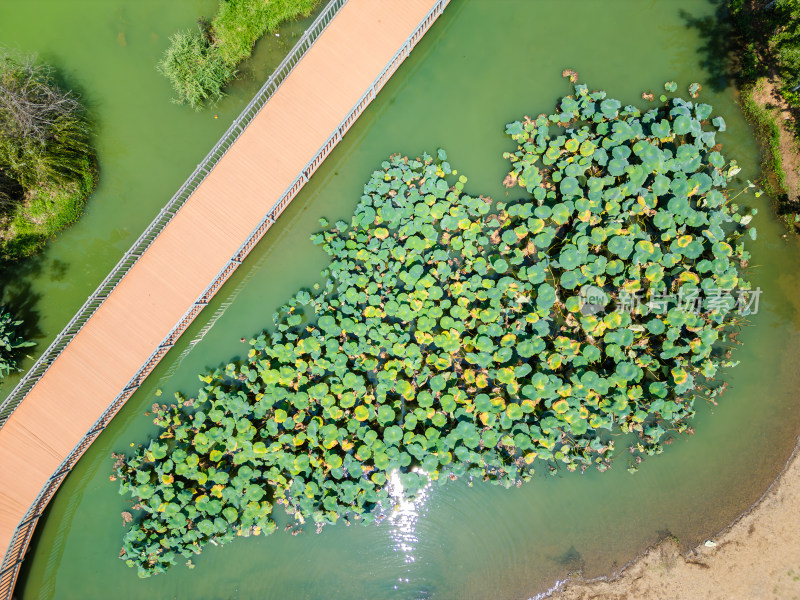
19,543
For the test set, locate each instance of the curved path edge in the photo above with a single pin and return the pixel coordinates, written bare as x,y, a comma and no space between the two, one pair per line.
162,283
756,556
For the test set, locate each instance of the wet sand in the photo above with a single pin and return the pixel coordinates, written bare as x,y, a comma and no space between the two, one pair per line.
756,557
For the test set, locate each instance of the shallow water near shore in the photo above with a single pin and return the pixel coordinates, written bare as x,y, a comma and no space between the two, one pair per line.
480,67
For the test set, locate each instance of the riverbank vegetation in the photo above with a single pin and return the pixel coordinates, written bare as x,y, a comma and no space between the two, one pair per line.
47,163
767,63
456,336
200,63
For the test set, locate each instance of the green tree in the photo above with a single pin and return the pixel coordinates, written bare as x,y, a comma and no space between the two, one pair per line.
196,69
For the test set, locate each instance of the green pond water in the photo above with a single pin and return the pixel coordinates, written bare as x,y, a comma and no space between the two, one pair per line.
485,63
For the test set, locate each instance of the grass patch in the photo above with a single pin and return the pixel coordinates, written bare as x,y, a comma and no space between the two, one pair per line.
240,23
200,63
45,211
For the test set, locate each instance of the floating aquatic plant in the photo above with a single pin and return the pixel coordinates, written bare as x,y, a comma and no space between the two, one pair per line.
454,336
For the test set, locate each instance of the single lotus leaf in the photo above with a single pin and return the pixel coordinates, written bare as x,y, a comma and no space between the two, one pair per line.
654,272
561,214
546,296
570,187
661,129
510,237
652,158
682,125
599,235
531,347
680,187
715,159
617,166
686,152
621,246
500,266
663,220
621,152
661,185
553,153
587,148
628,371
570,257
561,406
569,280
515,412
385,415
702,111
513,129
392,435
700,183
610,107
645,249
693,250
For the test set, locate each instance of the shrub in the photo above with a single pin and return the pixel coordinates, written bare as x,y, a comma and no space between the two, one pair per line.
44,135
196,69
10,343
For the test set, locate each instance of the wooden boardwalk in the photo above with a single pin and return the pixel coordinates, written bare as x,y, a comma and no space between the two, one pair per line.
122,334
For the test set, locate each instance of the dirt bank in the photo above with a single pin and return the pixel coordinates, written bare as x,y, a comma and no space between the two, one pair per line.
766,94
756,557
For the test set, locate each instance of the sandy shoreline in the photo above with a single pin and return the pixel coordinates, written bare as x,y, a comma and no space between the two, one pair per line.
758,556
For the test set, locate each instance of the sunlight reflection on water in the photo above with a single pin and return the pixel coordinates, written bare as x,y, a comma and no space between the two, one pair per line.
404,515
